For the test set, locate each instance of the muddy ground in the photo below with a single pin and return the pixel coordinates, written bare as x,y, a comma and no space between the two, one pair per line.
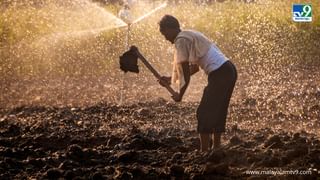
274,132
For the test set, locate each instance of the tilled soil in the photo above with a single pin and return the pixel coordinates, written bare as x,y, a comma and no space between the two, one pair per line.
149,140
272,132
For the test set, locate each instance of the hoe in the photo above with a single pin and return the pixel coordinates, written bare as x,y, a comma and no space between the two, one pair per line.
129,62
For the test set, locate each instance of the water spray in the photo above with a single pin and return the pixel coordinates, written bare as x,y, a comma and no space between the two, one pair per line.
125,15
149,13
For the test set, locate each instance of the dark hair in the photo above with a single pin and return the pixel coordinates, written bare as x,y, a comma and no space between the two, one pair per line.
168,21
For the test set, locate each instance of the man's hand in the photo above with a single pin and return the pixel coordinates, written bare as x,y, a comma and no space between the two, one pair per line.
176,97
165,81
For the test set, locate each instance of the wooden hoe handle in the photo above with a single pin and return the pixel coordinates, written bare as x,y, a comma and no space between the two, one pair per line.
154,72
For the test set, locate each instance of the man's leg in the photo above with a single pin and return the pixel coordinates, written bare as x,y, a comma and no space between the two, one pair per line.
205,141
217,140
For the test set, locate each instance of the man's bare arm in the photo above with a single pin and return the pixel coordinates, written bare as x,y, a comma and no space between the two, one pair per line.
186,74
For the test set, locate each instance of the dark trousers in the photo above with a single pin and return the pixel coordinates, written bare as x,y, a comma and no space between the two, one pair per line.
213,109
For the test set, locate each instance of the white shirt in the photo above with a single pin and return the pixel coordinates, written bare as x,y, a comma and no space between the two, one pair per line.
192,44
212,60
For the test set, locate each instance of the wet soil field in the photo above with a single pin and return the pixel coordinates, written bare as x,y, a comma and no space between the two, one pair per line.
273,135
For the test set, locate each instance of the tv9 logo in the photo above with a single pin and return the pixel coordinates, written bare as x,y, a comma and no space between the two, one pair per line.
302,12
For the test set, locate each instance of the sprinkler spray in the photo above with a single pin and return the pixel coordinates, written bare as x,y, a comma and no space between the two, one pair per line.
125,15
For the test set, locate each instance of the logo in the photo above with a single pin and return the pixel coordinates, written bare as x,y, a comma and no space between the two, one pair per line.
302,12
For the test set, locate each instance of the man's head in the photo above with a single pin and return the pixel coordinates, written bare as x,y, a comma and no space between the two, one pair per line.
169,27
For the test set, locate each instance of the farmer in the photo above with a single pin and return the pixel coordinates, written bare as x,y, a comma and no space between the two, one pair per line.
194,50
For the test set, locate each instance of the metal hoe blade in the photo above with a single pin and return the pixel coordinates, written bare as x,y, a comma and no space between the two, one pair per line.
128,62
